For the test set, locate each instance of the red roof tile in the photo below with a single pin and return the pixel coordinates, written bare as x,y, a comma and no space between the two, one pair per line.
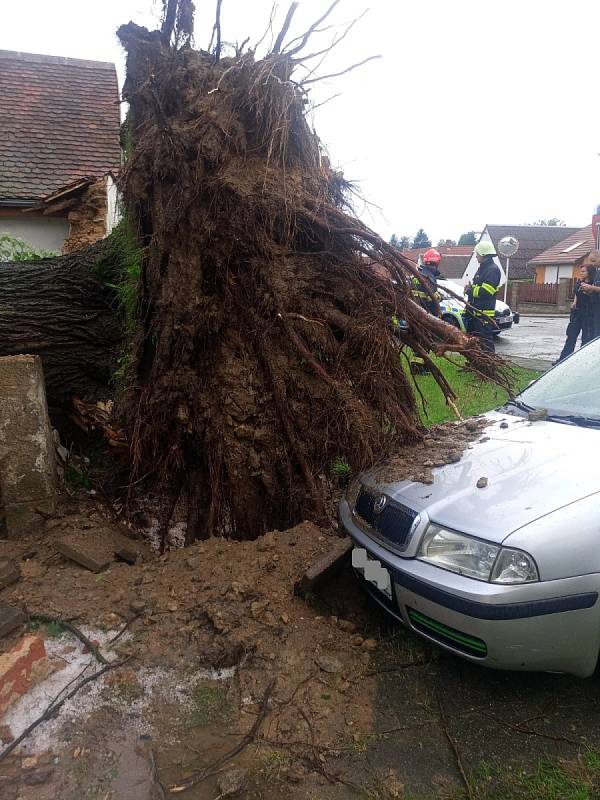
59,120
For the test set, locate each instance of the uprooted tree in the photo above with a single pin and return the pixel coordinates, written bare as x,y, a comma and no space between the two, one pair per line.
62,310
265,343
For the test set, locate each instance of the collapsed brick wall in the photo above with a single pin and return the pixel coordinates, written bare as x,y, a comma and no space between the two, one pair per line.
88,218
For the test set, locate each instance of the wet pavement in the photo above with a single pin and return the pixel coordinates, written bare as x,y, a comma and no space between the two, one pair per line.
539,338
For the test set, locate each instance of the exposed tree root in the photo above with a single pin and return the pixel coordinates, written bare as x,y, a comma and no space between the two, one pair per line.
266,345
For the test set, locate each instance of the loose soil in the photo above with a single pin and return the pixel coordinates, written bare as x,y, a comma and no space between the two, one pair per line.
210,627
359,707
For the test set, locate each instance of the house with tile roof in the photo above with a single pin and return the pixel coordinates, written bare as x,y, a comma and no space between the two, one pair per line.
59,149
560,260
533,239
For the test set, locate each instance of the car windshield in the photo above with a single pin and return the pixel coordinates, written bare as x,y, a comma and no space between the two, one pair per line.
571,390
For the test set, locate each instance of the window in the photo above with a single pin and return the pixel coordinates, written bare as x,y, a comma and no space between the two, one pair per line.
572,247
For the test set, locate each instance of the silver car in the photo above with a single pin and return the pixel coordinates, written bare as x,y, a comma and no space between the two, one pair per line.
506,574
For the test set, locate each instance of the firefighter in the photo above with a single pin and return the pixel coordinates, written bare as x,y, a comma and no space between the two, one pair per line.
481,294
429,269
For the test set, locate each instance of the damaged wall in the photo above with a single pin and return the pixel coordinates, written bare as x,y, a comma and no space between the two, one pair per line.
88,219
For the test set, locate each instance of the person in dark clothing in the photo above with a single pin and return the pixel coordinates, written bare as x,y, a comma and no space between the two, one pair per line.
581,317
481,294
429,274
429,269
590,289
574,328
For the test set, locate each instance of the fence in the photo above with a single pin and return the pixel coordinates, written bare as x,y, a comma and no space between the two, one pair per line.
538,293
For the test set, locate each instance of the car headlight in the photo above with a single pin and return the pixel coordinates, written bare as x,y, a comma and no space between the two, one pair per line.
352,493
475,558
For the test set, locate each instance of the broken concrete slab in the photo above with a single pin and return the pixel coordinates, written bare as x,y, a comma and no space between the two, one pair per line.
324,567
131,550
97,547
10,618
27,468
92,549
9,572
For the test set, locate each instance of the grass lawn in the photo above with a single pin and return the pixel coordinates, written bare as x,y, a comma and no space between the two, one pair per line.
474,396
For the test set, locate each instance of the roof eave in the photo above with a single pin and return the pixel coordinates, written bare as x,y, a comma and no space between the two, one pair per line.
18,202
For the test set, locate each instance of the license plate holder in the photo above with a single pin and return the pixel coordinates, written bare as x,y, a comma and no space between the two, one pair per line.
372,571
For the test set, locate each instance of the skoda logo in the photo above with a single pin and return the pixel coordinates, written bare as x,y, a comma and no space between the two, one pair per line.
379,504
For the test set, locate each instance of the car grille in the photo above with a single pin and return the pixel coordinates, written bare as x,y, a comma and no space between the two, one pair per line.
505,313
443,634
392,525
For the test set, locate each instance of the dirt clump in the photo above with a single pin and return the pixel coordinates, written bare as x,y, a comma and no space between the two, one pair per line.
441,445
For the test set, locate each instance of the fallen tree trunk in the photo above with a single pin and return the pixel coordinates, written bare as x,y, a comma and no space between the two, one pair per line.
57,309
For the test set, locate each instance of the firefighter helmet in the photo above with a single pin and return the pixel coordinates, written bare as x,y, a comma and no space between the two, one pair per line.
432,256
485,248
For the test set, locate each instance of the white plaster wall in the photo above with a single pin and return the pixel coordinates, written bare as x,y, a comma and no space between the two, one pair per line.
42,233
473,264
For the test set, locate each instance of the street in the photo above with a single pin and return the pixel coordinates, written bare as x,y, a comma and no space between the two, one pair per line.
534,337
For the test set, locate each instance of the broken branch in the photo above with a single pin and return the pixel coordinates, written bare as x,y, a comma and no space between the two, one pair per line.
169,21
343,72
306,36
217,30
57,705
282,33
455,750
46,618
198,777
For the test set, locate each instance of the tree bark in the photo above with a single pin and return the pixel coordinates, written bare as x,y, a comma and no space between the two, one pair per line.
56,308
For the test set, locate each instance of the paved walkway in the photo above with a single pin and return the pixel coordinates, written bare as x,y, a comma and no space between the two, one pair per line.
535,342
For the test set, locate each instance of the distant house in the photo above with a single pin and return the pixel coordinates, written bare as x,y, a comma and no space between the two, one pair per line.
454,258
559,260
59,149
533,240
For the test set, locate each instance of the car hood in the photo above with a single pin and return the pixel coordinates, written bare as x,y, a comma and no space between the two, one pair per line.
532,469
457,305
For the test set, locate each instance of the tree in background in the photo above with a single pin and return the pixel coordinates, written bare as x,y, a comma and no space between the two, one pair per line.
401,242
446,243
421,239
553,222
468,238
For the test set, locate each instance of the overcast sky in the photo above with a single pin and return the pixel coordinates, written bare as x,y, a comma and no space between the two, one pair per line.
480,111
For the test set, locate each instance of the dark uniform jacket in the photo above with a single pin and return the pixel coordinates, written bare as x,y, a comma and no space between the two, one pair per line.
420,293
483,291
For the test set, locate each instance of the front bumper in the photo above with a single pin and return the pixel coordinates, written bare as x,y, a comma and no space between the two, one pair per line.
504,323
546,626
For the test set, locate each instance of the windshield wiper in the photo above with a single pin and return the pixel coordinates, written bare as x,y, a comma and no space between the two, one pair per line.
520,405
574,419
